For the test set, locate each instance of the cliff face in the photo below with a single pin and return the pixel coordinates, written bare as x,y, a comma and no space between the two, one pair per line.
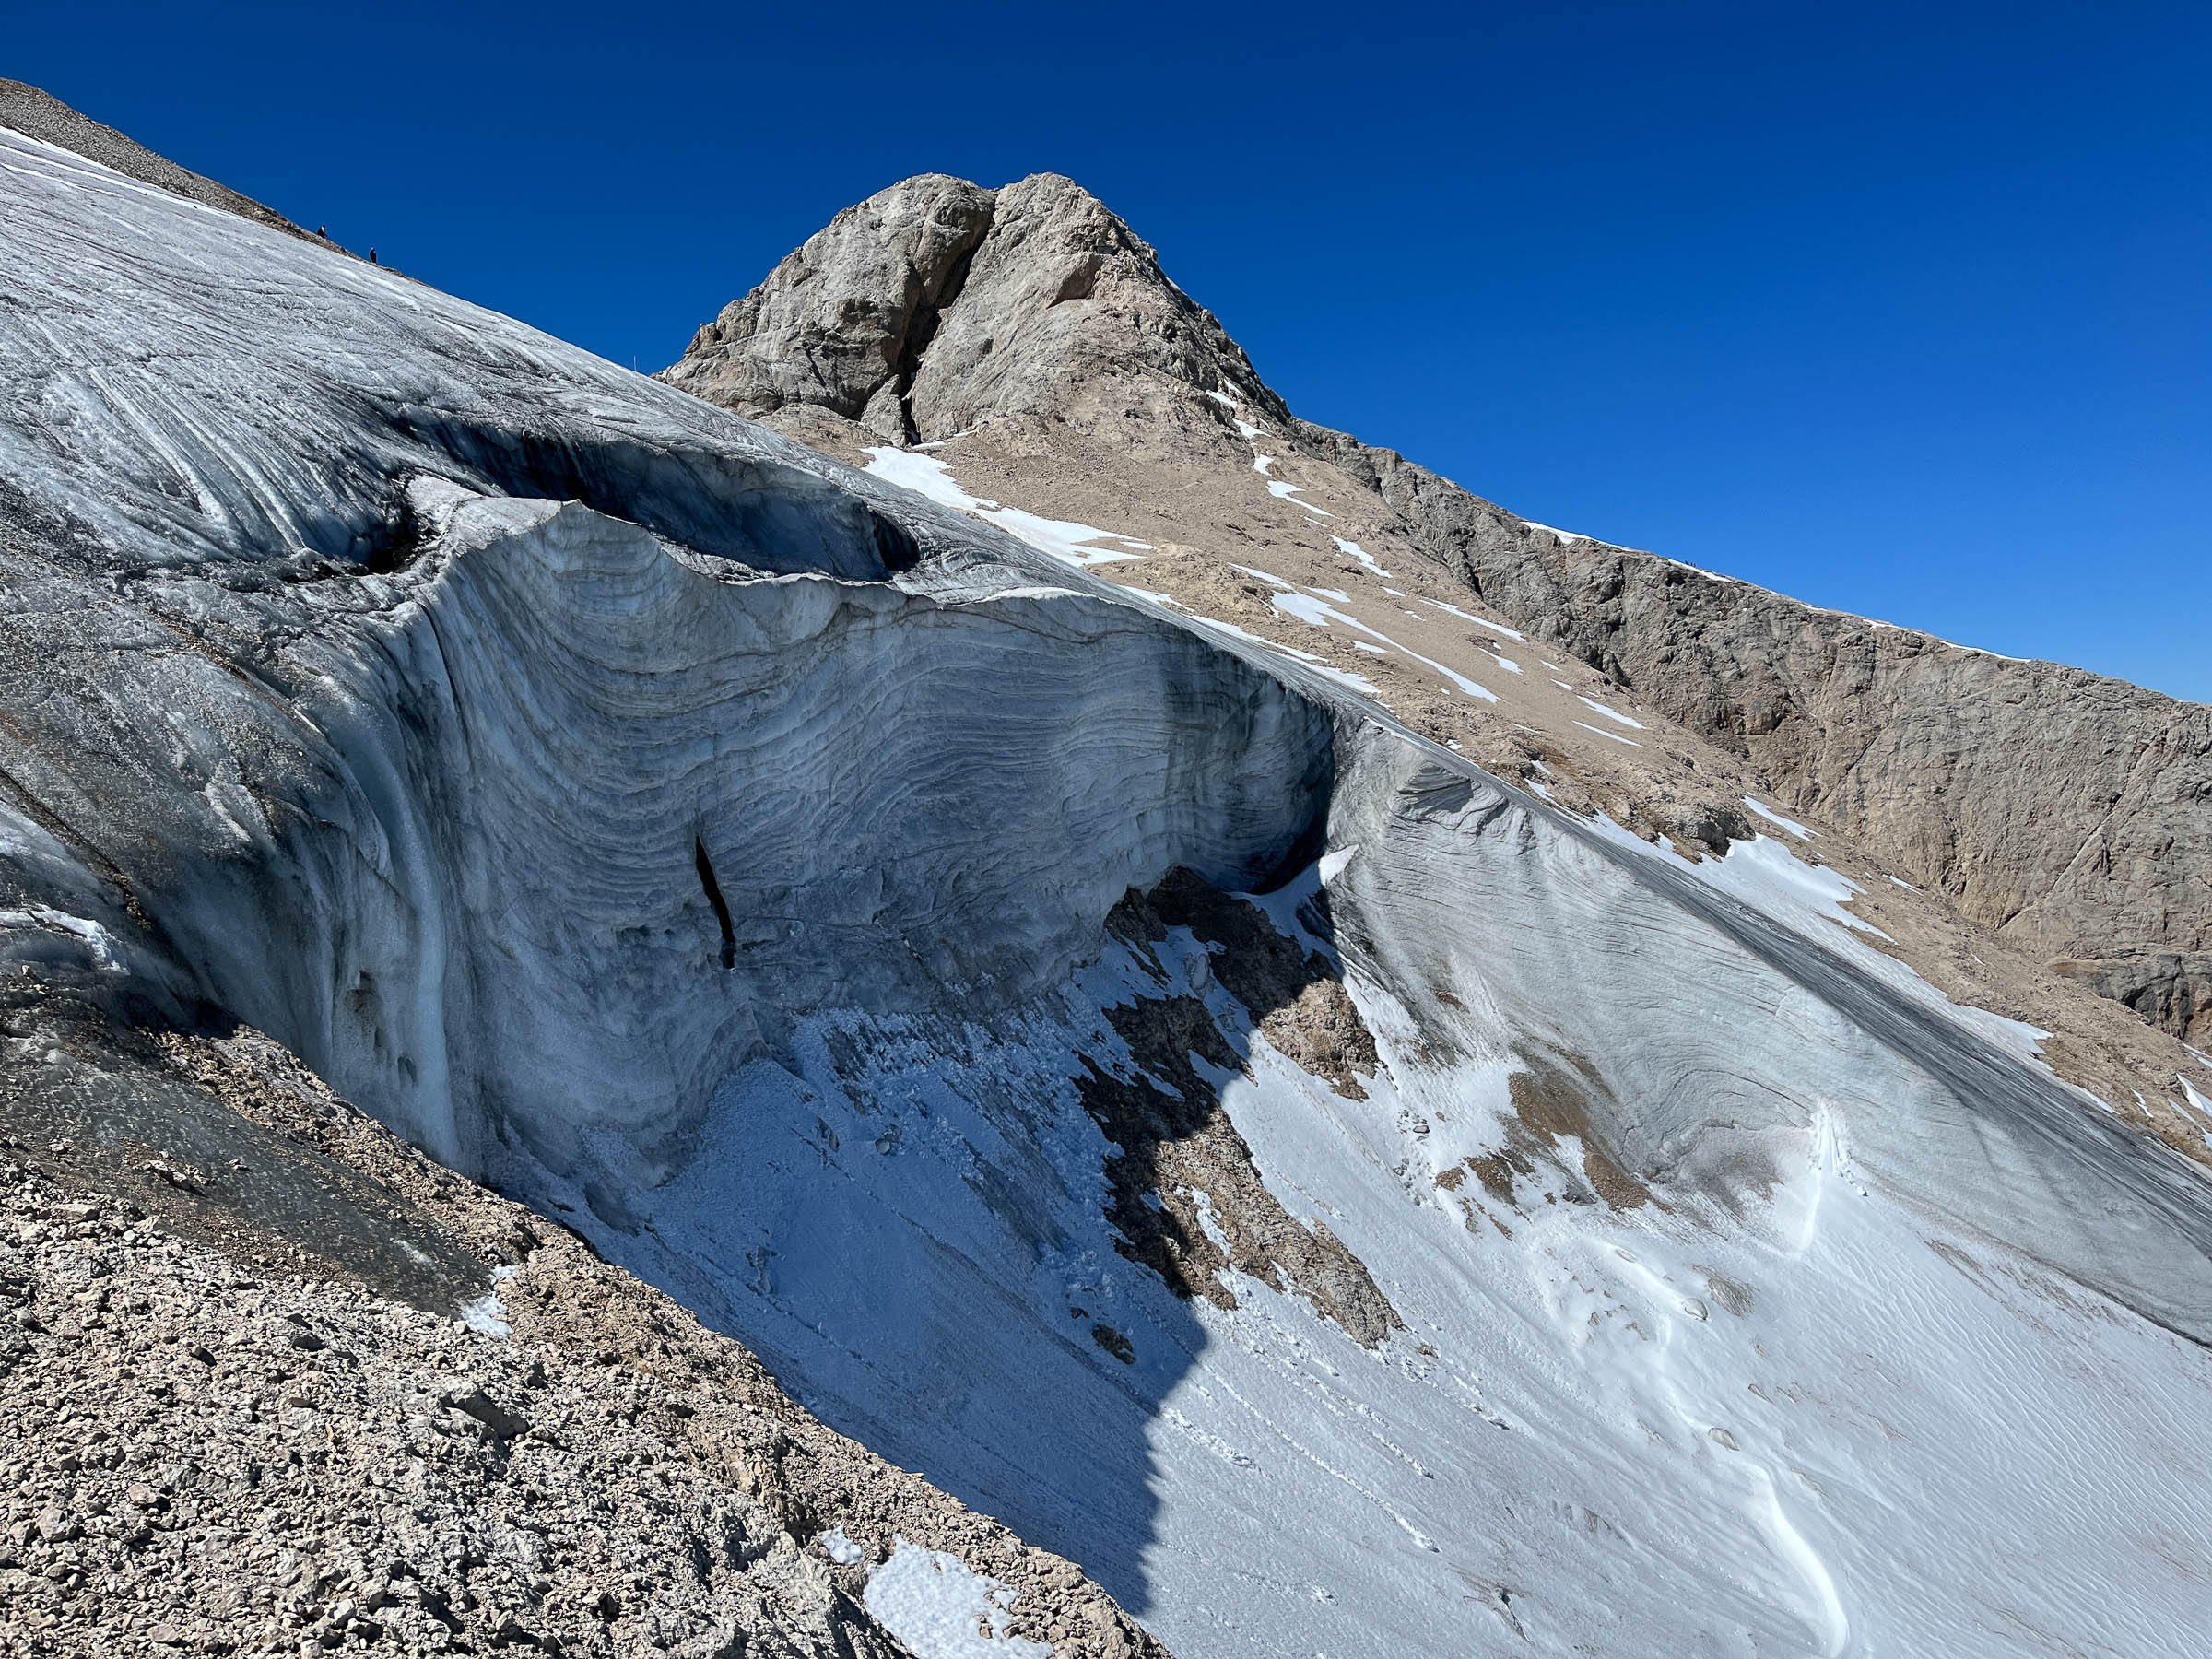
2069,813
934,306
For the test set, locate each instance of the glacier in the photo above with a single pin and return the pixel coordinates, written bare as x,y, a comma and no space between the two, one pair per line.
911,952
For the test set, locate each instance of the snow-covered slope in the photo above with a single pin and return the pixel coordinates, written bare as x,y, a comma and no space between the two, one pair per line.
829,907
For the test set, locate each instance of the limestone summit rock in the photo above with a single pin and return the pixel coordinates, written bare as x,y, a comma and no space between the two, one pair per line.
934,306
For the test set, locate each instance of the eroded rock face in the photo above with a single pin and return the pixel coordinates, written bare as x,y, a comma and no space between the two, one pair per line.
2170,989
843,322
2057,808
935,305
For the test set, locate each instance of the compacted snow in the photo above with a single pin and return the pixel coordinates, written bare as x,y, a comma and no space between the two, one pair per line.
1063,539
941,1610
727,853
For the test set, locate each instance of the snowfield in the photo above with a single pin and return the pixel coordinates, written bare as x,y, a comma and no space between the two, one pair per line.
732,855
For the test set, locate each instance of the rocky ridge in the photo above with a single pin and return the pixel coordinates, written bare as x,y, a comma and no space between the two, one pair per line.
2065,812
1033,338
37,113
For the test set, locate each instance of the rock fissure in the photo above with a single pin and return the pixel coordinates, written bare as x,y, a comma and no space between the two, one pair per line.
922,329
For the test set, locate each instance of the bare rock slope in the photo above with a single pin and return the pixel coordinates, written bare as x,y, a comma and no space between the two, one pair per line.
2069,814
240,1413
935,305
37,113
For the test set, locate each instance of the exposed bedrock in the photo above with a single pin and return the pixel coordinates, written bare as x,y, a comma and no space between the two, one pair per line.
843,320
2066,812
935,305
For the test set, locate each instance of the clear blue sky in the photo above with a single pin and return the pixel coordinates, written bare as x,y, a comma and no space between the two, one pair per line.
1903,309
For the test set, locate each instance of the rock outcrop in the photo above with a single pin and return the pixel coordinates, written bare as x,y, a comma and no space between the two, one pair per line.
2064,811
935,305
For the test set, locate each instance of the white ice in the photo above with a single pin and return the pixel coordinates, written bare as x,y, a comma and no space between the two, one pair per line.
1359,553
1791,825
1615,736
1479,621
1288,492
1320,614
1565,535
1613,714
1063,539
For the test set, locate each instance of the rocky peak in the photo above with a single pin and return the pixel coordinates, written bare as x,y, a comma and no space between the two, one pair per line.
839,325
936,307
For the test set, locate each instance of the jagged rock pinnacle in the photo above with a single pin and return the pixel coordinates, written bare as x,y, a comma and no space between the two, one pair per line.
937,306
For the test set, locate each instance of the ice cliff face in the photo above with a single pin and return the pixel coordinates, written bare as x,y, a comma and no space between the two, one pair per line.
669,770
1343,1202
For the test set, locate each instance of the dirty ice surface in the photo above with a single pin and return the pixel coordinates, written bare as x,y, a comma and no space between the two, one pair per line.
1809,897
